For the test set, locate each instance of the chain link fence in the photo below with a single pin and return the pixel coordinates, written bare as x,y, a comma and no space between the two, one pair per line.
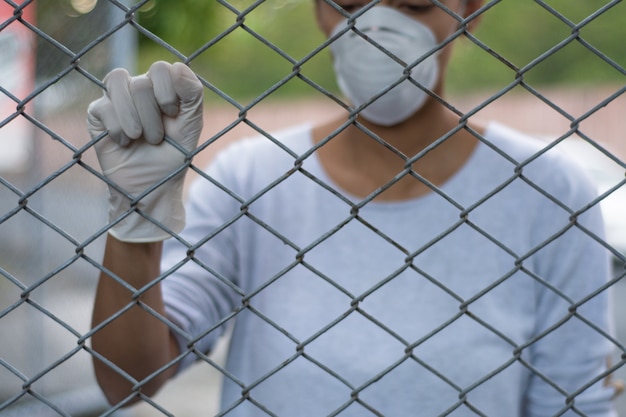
53,199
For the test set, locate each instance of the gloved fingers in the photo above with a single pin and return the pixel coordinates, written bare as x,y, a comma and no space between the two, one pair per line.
187,86
149,113
164,92
102,117
95,126
117,84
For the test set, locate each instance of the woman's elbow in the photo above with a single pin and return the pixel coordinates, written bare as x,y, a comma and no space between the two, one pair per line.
119,389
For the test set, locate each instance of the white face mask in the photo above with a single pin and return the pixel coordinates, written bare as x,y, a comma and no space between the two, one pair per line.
363,71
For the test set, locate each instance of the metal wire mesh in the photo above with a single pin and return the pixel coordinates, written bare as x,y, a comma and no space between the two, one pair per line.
53,214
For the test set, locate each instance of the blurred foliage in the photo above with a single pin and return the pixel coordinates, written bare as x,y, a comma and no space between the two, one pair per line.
239,60
537,39
543,41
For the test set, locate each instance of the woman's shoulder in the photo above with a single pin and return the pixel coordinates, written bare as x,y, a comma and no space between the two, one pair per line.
290,142
541,162
252,162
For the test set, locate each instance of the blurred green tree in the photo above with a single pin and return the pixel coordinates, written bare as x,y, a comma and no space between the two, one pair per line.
242,47
541,41
545,42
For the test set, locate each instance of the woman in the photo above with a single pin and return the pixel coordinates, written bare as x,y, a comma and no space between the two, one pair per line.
399,261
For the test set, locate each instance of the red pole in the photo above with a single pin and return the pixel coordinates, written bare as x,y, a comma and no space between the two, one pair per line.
17,79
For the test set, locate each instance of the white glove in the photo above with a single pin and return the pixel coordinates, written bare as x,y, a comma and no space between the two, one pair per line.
137,112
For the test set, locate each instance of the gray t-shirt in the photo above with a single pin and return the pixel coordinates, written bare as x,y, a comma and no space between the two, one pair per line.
460,301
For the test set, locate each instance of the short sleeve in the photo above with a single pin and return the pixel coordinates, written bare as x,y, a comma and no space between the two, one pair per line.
201,288
573,327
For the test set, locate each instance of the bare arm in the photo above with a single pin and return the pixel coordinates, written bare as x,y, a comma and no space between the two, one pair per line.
134,115
136,341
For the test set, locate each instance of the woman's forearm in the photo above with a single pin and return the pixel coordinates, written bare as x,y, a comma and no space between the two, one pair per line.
132,338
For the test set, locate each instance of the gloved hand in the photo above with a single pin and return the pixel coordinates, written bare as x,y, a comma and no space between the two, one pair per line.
137,112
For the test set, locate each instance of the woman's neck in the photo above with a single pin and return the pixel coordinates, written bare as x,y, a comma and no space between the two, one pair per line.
365,157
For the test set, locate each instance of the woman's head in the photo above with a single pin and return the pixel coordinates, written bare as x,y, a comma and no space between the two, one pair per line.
439,16
373,53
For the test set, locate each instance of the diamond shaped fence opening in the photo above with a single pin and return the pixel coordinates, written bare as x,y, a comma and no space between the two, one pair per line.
300,286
